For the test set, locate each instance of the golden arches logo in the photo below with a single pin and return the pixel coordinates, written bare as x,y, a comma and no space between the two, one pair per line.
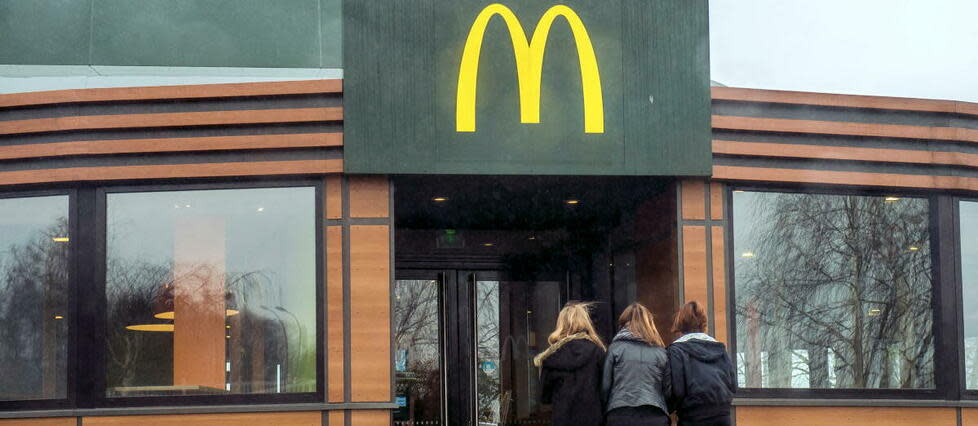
529,66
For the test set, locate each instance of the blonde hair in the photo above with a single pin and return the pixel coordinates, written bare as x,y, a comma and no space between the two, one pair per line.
575,319
638,320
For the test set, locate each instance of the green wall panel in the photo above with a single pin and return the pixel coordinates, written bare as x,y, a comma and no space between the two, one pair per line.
213,33
402,65
193,33
52,32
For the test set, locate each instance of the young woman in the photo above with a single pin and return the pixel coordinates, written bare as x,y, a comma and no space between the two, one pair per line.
636,372
571,369
702,374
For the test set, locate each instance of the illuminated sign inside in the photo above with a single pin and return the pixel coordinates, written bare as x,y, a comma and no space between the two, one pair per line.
529,66
526,87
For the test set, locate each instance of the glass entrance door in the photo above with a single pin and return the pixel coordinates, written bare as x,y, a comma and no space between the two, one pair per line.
464,347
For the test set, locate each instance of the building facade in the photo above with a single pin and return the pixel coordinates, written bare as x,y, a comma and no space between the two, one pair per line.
386,248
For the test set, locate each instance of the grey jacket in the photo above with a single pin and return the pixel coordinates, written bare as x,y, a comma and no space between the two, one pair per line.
635,374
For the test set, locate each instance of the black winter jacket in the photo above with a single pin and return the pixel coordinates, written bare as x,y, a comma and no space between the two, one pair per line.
702,381
635,374
570,378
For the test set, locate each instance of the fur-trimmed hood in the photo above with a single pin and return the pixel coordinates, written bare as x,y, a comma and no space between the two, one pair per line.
539,359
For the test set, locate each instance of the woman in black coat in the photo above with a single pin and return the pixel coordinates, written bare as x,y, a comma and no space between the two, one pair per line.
702,374
570,369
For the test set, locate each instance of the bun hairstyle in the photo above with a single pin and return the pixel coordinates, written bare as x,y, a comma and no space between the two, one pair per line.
575,319
691,318
638,320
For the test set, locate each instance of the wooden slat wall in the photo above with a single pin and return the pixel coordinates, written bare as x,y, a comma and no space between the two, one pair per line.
247,129
969,417
801,138
305,418
845,416
702,226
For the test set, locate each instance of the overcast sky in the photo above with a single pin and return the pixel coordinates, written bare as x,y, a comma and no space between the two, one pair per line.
911,48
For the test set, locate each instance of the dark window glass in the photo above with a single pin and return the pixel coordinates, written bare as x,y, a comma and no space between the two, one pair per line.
832,291
211,292
417,356
34,244
969,279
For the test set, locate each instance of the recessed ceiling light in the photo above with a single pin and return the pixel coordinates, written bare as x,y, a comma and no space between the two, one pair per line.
572,202
58,317
261,209
747,254
738,190
439,199
914,248
487,244
532,237
875,312
60,239
891,199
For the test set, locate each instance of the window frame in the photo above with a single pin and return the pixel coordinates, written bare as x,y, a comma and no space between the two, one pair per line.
86,387
71,363
966,394
945,383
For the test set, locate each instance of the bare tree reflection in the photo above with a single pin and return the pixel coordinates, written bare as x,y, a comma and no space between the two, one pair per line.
417,343
33,308
834,291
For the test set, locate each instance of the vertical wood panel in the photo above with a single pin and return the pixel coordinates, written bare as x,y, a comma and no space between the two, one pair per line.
369,196
334,313
304,418
371,418
336,418
969,417
370,362
693,198
199,263
334,197
694,264
845,416
716,200
57,421
719,286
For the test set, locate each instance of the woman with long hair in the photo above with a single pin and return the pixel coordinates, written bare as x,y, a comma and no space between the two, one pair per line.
570,369
702,374
636,372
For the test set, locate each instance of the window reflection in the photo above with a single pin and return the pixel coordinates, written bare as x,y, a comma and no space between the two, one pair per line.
34,243
211,292
969,281
513,320
833,291
417,357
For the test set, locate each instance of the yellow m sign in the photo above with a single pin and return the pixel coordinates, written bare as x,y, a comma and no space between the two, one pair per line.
529,66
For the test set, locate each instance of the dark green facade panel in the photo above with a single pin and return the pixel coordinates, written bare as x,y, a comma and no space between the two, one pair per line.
402,77
181,33
53,32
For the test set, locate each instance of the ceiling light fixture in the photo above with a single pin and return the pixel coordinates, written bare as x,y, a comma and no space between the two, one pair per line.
573,202
439,199
874,312
487,244
747,254
891,199
151,327
60,239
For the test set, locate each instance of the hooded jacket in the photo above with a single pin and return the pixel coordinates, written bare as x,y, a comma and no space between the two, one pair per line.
635,373
702,379
570,378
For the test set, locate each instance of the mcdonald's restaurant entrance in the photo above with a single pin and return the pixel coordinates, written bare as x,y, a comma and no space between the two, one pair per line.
483,265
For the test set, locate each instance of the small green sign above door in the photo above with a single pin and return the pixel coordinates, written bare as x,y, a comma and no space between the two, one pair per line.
580,87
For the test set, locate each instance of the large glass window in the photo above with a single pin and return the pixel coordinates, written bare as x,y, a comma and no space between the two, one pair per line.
969,280
832,291
211,292
34,243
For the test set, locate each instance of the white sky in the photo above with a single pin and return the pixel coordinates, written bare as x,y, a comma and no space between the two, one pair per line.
910,48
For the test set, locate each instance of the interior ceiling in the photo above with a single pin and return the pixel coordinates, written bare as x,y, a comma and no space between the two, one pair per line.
517,202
